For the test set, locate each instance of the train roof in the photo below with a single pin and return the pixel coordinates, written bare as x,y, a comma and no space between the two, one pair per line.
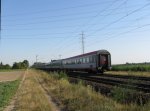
90,53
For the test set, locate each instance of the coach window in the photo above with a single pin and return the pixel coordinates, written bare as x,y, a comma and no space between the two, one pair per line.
68,61
88,60
77,61
73,61
80,60
93,57
83,60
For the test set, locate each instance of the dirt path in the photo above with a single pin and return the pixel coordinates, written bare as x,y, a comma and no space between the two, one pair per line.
31,96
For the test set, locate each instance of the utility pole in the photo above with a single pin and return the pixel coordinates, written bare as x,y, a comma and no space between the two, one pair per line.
36,57
0,18
82,41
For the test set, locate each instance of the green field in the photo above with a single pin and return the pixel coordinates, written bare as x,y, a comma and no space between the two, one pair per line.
7,90
131,67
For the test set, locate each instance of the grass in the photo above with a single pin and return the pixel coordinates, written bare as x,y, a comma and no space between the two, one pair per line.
30,97
131,67
7,91
76,97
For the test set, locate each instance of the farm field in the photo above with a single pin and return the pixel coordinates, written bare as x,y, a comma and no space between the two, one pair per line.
11,75
143,67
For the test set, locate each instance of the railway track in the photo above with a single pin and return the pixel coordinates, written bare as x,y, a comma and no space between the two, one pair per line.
137,83
105,83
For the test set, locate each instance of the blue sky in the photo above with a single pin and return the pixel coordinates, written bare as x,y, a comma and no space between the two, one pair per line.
49,28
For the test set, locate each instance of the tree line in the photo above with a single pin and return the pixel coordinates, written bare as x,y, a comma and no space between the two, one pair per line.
16,65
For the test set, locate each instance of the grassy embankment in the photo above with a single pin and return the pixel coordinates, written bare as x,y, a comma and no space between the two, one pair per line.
76,97
7,91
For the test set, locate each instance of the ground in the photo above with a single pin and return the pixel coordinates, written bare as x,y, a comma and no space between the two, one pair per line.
31,95
10,76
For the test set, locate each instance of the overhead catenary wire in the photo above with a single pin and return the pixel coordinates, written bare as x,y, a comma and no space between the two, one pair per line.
60,9
122,33
58,33
110,5
121,18
64,15
107,14
63,45
112,37
132,12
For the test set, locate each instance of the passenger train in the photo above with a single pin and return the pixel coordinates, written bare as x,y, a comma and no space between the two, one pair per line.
96,61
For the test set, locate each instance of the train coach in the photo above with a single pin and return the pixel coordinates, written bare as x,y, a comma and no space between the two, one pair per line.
96,61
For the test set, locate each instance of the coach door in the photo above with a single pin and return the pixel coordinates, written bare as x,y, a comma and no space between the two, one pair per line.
103,60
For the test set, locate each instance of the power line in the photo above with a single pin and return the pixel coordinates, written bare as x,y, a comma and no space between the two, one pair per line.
110,5
0,14
121,18
60,9
62,15
52,16
59,33
107,14
61,20
44,34
122,33
31,38
117,35
102,11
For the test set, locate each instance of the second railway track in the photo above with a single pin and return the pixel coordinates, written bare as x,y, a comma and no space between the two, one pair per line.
105,83
133,83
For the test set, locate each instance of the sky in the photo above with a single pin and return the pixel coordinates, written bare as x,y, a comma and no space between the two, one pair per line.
51,29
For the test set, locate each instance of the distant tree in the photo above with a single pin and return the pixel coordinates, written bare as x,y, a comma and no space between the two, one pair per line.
15,66
2,66
21,65
26,63
7,66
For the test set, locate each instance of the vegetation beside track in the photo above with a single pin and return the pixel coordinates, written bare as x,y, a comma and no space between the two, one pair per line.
131,67
73,97
7,91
